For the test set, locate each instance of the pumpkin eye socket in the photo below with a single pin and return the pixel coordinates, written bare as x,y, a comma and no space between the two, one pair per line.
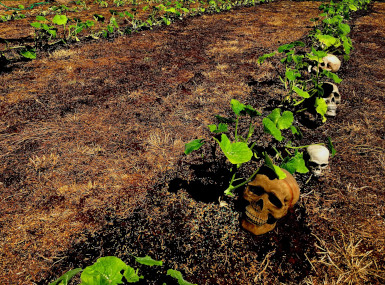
312,164
257,190
275,201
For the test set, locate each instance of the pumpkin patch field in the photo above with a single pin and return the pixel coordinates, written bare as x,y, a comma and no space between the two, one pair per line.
192,142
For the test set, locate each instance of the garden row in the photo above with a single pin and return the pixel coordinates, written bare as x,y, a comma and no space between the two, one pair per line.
61,25
308,77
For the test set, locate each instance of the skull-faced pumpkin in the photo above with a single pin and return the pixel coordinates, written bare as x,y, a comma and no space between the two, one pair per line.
318,158
268,200
332,98
330,63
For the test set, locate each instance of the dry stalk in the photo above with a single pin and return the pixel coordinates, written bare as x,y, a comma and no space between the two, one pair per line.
265,263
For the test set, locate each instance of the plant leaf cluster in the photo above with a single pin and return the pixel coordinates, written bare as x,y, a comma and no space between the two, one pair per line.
303,77
239,148
111,270
332,35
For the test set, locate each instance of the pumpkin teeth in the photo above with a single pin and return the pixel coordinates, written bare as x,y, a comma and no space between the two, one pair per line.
255,219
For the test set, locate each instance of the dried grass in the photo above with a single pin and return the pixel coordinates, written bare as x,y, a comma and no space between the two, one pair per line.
346,261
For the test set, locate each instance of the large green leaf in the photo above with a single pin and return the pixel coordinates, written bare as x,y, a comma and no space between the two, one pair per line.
353,7
272,129
328,41
36,25
105,271
40,18
236,153
60,19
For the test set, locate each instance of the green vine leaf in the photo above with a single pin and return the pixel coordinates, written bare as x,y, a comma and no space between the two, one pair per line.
285,121
193,145
344,28
271,128
239,108
275,122
332,76
262,58
331,147
328,41
236,153
40,18
131,275
295,164
292,74
316,55
60,20
178,275
66,277
347,44
221,128
275,115
29,53
321,108
278,171
105,271
36,25
147,260
300,92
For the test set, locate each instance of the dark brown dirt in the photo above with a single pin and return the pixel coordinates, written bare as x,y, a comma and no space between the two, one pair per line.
92,164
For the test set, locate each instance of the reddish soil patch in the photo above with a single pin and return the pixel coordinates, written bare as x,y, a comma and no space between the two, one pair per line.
91,156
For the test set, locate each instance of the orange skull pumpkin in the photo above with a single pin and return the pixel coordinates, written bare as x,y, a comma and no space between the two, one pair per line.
268,200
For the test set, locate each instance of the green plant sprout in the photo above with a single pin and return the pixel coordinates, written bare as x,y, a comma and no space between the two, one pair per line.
275,122
43,31
237,151
111,270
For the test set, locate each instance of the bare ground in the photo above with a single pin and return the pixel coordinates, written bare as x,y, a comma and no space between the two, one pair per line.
92,164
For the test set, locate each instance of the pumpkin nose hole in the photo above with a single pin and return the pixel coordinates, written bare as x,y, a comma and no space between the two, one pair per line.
258,205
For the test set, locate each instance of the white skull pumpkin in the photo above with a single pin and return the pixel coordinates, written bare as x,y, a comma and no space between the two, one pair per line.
330,63
268,200
332,98
318,158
